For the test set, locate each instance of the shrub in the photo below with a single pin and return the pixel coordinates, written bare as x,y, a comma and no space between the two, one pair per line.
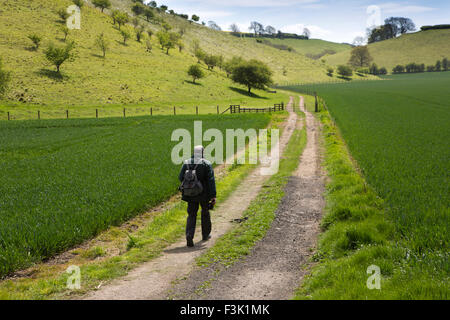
79,3
63,14
438,66
344,71
330,71
195,72
149,46
139,31
445,64
5,78
398,69
125,35
65,31
382,71
431,68
102,43
36,40
59,55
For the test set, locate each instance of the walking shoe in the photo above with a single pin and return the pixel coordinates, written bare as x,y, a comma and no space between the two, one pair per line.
190,243
206,238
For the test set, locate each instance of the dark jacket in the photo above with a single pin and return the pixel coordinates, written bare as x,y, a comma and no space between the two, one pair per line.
205,174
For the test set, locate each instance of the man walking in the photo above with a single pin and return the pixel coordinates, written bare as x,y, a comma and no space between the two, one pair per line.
198,186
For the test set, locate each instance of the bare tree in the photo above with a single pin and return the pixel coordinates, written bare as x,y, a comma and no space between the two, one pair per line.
234,28
257,27
214,26
271,30
306,33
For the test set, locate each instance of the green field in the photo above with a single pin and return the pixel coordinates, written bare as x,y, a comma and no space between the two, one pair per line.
64,181
421,47
398,131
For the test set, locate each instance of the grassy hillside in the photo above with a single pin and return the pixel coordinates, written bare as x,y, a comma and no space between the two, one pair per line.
421,47
129,75
312,46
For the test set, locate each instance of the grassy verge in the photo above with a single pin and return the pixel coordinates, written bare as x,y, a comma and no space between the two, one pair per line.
358,234
261,212
165,227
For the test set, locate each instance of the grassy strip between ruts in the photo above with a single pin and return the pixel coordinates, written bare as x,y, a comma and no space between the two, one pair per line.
261,212
358,235
50,282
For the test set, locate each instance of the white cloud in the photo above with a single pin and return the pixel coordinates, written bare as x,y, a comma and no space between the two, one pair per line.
403,8
316,31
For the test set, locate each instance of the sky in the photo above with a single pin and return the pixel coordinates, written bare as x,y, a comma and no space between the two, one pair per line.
332,20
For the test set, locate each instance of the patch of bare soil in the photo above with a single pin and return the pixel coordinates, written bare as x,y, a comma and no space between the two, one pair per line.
154,279
278,263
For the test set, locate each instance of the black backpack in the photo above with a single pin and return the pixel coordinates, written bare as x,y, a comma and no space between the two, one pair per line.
191,186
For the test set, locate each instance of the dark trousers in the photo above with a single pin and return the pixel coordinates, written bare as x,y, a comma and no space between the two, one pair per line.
192,219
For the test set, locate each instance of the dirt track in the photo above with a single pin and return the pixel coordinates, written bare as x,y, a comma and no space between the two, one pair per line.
278,263
153,280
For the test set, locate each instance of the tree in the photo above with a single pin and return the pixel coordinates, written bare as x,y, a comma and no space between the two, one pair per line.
344,71
271,30
214,26
167,27
438,66
445,64
195,72
59,55
102,4
148,13
195,18
211,61
138,9
65,30
79,3
234,28
306,33
231,64
5,78
374,69
102,43
36,40
149,46
122,18
168,40
163,8
125,35
360,57
199,54
402,25
152,4
330,71
252,74
257,27
398,69
139,32
63,14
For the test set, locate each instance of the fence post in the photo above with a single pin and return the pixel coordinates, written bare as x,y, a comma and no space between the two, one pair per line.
151,111
217,109
9,118
174,111
96,113
39,115
317,102
67,114
196,110
124,112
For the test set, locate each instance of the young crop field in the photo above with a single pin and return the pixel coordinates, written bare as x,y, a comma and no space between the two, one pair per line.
398,132
64,181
